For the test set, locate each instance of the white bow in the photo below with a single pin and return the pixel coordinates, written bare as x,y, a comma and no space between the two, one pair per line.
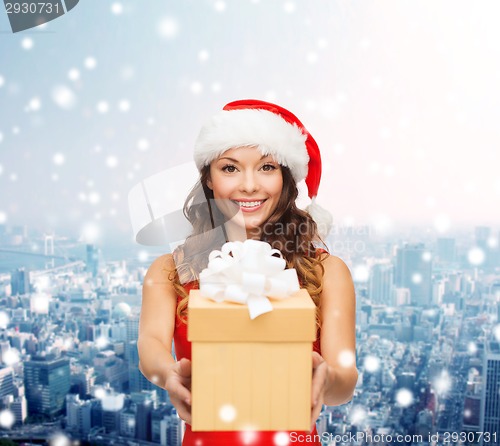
248,272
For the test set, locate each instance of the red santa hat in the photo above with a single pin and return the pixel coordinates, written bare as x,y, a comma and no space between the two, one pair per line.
275,131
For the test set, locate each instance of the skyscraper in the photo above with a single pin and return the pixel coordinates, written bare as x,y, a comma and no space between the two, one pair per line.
381,280
20,281
47,381
490,400
413,271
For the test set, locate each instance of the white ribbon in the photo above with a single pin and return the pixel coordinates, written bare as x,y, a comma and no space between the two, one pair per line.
248,273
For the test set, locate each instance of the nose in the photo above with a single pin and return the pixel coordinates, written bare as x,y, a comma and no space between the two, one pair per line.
249,182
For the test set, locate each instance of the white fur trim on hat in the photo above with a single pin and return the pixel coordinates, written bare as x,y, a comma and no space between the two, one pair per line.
268,131
322,217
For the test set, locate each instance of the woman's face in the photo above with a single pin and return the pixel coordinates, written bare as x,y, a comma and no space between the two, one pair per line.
242,179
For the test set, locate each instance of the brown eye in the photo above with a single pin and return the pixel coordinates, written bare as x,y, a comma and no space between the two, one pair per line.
268,167
229,168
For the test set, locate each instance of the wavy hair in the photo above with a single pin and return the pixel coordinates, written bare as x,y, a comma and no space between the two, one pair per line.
288,228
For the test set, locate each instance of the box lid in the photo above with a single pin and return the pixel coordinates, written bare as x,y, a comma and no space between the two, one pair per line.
292,320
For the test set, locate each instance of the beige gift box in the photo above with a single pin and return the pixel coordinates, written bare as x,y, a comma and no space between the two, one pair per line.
251,374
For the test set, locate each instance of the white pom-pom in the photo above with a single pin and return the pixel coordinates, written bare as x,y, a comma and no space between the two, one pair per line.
322,217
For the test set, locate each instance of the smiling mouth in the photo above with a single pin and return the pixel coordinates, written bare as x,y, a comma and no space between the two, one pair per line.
249,204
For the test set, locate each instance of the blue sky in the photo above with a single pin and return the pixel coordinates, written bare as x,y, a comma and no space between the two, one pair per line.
402,98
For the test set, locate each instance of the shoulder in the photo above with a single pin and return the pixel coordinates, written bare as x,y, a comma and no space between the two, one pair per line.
160,268
336,270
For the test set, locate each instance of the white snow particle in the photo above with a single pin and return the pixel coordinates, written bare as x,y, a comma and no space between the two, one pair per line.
357,415
35,104
281,439
2,81
13,176
10,356
63,97
94,198
220,6
90,63
102,107
196,87
426,256
16,130
59,440
143,256
416,278
73,74
27,43
168,28
101,342
58,159
117,8
216,87
475,256
443,383
289,7
346,358
404,397
322,43
111,161
203,55
90,233
372,363
442,223
472,348
312,57
1,169
361,273
7,418
124,105
1,136
227,413
492,242
143,144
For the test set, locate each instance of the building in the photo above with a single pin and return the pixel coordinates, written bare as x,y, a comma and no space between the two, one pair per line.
79,414
20,281
490,400
47,382
413,271
380,286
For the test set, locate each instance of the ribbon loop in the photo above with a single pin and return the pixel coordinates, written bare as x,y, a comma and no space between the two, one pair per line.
248,273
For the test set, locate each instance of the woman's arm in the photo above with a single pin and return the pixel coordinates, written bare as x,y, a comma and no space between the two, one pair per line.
338,373
156,329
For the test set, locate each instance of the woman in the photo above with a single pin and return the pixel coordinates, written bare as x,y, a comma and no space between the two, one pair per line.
251,157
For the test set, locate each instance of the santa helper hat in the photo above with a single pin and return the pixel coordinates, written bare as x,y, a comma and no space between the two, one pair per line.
275,131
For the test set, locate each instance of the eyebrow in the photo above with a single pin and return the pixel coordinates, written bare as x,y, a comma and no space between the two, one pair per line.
236,161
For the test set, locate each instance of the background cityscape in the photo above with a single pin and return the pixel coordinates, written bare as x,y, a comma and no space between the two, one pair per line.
428,336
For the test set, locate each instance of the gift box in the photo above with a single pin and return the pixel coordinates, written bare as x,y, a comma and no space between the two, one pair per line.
251,374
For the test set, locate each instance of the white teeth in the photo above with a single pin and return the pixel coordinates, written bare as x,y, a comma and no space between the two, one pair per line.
249,204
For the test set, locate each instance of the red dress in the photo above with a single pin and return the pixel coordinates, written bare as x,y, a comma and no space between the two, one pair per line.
235,438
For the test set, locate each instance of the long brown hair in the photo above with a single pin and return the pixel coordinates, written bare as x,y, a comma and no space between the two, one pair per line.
288,228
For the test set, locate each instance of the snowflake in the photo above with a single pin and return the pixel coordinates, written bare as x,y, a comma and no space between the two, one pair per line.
203,55
227,413
372,363
442,223
416,278
220,6
63,97
289,7
102,107
11,356
476,256
27,43
73,74
404,397
58,159
196,87
346,358
7,418
361,273
4,319
59,440
117,8
281,439
90,63
143,144
3,217
124,105
168,28
111,161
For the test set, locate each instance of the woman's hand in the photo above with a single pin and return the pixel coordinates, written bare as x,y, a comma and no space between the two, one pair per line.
319,385
178,386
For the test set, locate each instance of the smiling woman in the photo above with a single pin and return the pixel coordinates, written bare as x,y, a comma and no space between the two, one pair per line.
250,157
